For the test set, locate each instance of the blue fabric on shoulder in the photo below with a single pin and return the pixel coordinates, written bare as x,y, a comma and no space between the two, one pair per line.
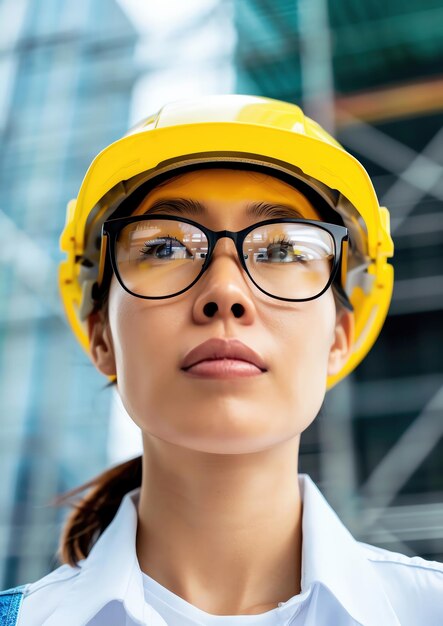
10,600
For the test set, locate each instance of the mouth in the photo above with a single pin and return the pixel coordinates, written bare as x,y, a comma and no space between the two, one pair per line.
223,358
224,368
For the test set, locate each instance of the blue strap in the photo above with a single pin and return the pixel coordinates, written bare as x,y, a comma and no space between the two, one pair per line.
10,601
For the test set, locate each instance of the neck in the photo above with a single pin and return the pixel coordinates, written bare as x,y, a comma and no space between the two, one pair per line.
221,531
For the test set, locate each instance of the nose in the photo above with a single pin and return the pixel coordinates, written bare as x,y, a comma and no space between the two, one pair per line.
225,247
224,291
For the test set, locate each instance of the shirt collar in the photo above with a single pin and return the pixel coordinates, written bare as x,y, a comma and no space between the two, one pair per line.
331,557
110,572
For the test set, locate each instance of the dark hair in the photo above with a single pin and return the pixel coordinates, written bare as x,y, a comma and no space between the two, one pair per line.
96,510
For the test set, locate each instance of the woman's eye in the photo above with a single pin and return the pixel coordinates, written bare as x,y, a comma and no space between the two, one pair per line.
165,248
284,251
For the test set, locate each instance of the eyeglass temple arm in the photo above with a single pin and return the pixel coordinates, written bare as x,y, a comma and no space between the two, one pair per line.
342,296
99,286
340,278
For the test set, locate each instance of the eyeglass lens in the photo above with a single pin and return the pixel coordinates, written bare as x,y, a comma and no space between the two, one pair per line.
162,257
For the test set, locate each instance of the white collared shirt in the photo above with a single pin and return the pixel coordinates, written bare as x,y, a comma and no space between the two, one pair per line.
343,583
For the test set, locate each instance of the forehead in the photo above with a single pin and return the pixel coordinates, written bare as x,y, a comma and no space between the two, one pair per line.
226,189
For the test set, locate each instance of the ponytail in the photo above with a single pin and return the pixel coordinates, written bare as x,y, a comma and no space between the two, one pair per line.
96,510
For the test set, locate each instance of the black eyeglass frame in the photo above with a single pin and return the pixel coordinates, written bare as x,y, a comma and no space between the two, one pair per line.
112,227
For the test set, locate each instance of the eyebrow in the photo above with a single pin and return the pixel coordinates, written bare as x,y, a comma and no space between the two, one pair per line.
194,208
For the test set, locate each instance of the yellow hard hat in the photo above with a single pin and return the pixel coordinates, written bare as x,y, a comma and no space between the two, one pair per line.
234,129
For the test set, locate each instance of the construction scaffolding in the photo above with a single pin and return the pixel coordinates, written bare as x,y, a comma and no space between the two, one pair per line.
372,75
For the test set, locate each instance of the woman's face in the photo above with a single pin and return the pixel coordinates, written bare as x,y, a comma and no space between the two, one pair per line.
144,342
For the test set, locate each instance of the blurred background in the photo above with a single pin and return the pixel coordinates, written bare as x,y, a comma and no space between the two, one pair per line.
74,75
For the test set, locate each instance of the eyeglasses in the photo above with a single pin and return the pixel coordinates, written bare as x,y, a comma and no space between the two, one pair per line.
163,256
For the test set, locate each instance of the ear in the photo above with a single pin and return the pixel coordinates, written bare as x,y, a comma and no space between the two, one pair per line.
101,347
342,342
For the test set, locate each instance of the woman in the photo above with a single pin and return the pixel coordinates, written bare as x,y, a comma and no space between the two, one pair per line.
226,264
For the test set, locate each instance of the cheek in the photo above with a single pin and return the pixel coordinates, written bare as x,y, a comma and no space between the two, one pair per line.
145,353
304,357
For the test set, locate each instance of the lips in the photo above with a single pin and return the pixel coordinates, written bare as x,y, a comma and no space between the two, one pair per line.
222,349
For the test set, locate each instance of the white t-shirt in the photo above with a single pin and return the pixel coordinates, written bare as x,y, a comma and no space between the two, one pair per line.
178,612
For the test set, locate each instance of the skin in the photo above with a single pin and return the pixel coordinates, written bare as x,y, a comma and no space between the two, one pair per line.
220,510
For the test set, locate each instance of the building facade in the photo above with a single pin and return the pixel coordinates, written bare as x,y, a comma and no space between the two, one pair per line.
68,74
